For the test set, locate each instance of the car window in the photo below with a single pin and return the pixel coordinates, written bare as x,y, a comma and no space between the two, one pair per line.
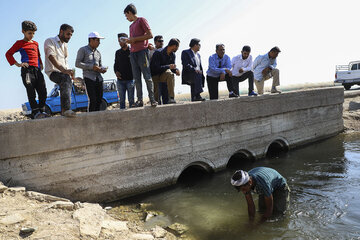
354,67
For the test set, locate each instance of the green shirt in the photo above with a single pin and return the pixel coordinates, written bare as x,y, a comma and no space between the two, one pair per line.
267,180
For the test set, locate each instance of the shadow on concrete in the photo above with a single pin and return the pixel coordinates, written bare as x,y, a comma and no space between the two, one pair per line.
354,106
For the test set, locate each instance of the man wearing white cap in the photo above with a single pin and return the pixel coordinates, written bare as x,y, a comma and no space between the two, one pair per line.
269,184
89,60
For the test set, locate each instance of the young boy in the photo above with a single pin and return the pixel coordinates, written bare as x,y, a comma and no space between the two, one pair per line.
31,67
123,72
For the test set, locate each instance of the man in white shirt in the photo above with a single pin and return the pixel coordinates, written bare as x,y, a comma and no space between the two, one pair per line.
241,70
56,66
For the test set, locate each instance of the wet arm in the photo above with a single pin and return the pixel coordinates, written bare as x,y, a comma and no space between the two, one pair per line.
251,205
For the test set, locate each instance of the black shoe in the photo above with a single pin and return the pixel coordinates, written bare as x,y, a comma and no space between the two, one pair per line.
198,99
232,95
139,103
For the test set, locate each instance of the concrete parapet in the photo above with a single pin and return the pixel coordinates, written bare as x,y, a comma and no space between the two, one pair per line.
104,156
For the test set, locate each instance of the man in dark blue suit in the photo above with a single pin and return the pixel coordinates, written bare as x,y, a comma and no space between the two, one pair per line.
192,73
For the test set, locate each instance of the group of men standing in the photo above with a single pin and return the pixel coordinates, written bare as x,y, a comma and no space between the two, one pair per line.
221,68
134,59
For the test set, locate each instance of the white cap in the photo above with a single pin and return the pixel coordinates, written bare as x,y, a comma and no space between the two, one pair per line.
95,35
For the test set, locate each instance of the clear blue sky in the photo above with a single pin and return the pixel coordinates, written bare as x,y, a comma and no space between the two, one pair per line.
314,36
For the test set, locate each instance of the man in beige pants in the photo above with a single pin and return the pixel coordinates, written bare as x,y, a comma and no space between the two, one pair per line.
264,68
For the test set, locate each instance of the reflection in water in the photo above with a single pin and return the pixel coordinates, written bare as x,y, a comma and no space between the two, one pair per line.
325,181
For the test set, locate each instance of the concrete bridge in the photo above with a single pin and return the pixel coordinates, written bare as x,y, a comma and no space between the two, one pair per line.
109,155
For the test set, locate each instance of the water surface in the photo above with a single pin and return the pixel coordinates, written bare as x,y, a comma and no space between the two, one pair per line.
325,202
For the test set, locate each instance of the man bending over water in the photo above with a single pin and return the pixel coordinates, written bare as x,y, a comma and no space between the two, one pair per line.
269,184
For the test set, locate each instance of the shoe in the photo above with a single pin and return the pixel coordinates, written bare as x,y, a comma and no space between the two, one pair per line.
198,99
233,95
46,115
69,114
274,90
171,101
252,93
39,115
154,103
139,103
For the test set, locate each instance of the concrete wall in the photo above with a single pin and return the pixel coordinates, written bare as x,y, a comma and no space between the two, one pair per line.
107,155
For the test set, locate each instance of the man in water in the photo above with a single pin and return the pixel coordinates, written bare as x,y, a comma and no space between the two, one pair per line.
269,184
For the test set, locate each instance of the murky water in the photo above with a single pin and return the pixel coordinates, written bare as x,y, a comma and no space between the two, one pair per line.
325,200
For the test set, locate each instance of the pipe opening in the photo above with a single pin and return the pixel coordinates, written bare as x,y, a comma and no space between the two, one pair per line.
192,175
240,160
276,149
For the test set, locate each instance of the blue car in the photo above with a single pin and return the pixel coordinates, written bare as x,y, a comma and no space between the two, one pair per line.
79,99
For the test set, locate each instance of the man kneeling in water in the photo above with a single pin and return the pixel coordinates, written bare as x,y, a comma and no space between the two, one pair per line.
269,184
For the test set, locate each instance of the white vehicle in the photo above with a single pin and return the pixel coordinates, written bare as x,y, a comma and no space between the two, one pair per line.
348,75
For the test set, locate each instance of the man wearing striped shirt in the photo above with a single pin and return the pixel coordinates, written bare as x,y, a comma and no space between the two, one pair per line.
269,184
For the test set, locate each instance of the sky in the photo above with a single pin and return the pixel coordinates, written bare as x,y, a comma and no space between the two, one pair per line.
313,35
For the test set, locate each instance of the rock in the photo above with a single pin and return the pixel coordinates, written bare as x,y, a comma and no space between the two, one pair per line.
62,205
12,219
3,188
78,205
108,208
149,215
159,232
90,218
27,230
141,236
144,206
117,226
177,228
16,189
44,197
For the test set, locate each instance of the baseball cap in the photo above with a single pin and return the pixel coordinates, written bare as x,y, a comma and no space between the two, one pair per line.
95,35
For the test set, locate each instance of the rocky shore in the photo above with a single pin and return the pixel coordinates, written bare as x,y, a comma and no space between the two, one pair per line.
32,215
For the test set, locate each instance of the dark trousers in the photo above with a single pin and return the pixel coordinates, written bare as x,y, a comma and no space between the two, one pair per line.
248,75
36,83
94,91
281,199
196,87
64,82
163,96
213,85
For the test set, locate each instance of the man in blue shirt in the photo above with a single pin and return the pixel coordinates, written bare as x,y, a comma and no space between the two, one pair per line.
269,184
264,68
219,70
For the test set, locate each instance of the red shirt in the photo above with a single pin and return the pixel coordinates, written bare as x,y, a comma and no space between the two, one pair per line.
29,53
137,29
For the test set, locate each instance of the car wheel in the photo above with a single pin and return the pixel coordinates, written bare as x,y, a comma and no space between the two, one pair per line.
103,105
347,86
48,110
